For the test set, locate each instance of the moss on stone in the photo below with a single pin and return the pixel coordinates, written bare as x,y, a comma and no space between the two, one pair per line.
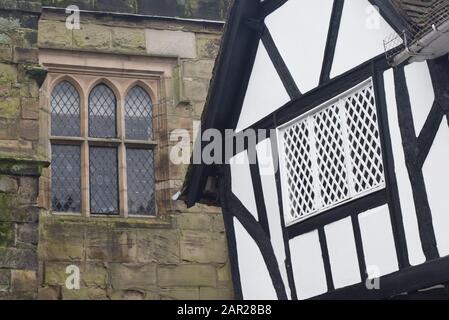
7,234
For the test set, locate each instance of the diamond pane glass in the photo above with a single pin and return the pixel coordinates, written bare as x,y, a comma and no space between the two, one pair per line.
140,169
332,156
139,115
102,113
66,179
103,181
65,110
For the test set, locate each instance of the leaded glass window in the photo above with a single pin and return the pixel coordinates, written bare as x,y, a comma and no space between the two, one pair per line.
66,178
65,110
101,168
103,181
102,112
138,118
140,167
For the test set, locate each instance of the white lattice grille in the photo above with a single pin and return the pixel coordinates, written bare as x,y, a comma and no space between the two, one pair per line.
331,155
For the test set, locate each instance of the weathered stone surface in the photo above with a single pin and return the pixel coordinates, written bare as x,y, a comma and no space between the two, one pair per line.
92,36
133,295
30,108
198,68
203,247
216,294
7,234
5,53
187,276
10,107
54,34
23,280
21,259
195,90
5,280
171,43
160,246
27,233
128,39
208,46
84,294
131,276
8,184
180,294
107,245
48,293
192,221
29,130
59,242
26,55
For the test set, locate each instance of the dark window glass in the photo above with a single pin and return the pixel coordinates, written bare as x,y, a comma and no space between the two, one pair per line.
140,168
103,181
65,178
102,112
139,115
65,110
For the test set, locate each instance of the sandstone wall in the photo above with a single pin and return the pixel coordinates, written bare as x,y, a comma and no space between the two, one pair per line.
180,255
21,157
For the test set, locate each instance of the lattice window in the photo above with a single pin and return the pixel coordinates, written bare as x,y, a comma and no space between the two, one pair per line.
102,112
65,110
103,181
66,178
105,168
138,118
331,155
141,188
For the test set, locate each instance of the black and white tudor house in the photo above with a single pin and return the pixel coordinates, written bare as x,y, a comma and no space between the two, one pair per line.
348,198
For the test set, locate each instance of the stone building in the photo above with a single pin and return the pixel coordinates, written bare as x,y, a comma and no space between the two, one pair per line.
75,194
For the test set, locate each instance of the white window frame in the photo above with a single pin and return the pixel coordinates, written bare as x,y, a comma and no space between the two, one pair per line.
339,99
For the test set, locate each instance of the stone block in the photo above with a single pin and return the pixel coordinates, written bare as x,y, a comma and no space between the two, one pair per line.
54,34
198,68
5,280
26,55
195,90
157,245
62,242
49,293
203,247
29,130
7,234
23,280
9,107
111,245
84,294
132,276
208,46
180,294
27,233
187,276
8,74
9,129
8,184
216,294
171,43
127,39
92,36
20,259
30,108
5,53
192,221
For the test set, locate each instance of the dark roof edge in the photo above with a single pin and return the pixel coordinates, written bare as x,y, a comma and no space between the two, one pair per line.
222,100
